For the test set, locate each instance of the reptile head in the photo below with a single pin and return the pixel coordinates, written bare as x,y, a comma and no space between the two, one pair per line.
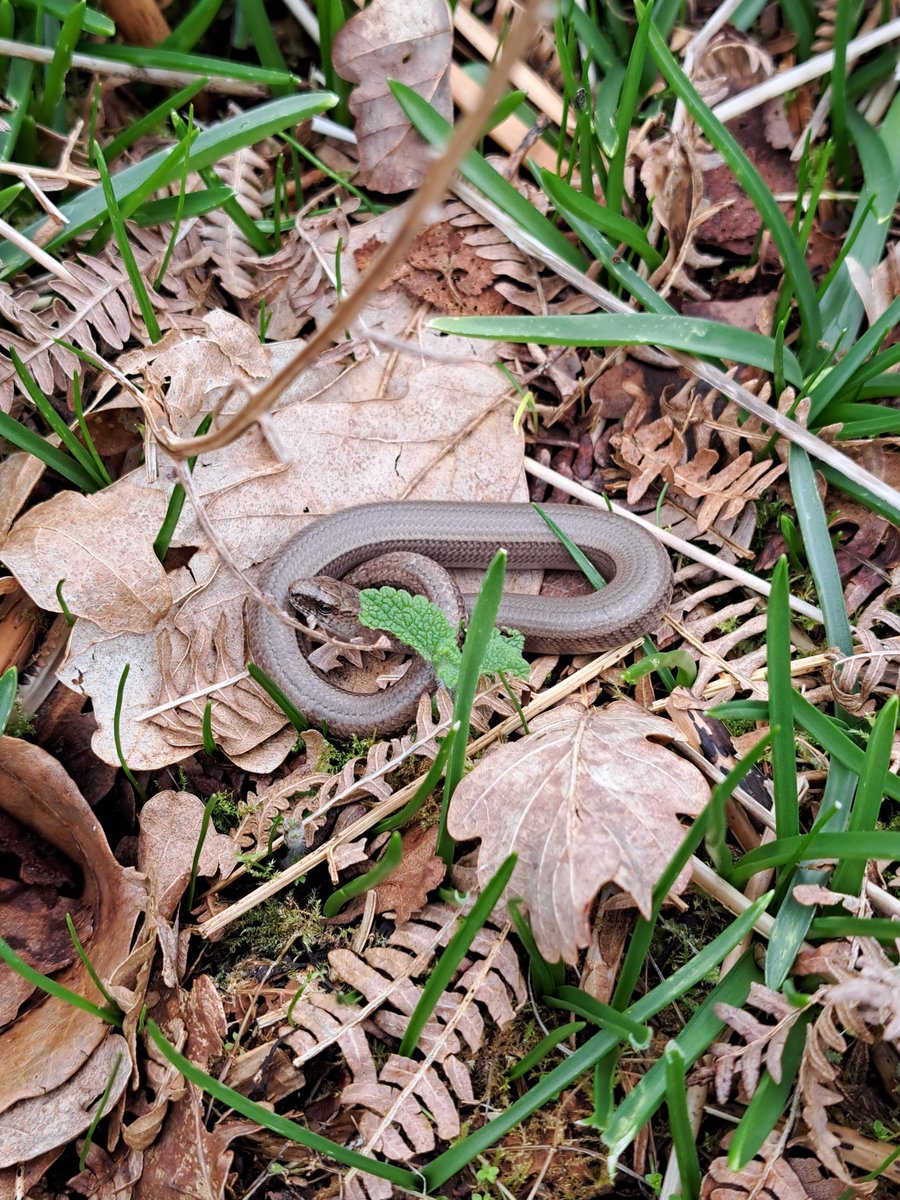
327,603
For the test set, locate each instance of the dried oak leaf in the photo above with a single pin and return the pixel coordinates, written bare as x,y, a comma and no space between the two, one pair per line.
49,1051
171,823
90,544
406,890
411,43
587,799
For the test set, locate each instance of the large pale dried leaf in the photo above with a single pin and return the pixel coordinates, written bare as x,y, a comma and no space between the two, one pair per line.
411,43
53,1040
199,643
590,798
102,547
170,830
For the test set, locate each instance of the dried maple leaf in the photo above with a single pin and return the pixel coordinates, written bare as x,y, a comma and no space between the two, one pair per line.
392,39
590,797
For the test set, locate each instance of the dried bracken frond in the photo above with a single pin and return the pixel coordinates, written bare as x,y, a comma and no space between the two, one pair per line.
825,26
660,450
764,1044
223,241
390,1101
872,670
772,1175
97,312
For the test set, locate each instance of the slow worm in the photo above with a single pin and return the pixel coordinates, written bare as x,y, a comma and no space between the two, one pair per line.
635,565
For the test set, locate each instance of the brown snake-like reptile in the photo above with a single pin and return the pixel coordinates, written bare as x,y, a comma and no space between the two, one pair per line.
454,534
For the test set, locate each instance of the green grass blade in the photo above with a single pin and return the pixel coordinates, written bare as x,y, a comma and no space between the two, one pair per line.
695,1039
149,121
155,58
9,682
425,788
57,990
778,660
282,1127
694,335
617,1021
824,729
683,1142
872,502
793,919
848,877
432,126
293,714
18,97
100,470
843,372
543,1048
709,819
883,929
58,68
478,634
849,846
455,951
96,23
194,204
386,865
616,266
569,201
135,277
753,184
769,1101
839,103
841,306
246,129
70,442
628,102
32,443
819,550
190,29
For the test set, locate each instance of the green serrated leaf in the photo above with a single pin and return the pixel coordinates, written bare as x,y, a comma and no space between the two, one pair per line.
504,653
412,619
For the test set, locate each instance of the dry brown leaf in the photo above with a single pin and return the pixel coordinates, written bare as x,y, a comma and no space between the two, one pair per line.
101,547
772,1175
44,1048
588,798
406,890
245,172
170,830
392,39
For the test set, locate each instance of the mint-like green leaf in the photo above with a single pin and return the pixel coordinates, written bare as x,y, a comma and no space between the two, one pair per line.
504,653
418,623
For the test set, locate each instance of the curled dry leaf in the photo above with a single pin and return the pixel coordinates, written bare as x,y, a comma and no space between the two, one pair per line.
411,43
589,798
46,1050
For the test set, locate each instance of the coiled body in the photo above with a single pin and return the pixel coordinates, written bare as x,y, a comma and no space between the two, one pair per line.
453,534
